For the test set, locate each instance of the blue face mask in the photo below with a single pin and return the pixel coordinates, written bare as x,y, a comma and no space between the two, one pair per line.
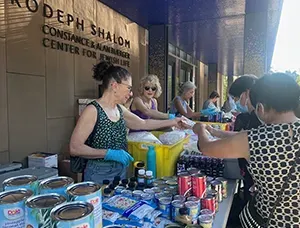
240,107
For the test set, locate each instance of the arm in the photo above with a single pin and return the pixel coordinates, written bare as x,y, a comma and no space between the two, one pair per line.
189,113
83,129
233,147
219,133
136,123
139,105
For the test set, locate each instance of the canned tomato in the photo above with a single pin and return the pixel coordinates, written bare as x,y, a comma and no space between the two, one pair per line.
88,192
38,208
180,198
57,185
176,205
199,185
25,181
217,186
12,207
214,194
184,184
73,214
224,186
165,207
209,202
193,209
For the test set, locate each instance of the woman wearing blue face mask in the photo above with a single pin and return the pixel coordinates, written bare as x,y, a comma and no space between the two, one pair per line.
272,151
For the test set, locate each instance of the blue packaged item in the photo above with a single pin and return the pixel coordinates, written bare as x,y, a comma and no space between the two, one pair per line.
109,217
128,223
151,160
128,207
151,217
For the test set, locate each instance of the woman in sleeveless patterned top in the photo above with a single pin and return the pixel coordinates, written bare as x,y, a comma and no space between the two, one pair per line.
271,150
100,133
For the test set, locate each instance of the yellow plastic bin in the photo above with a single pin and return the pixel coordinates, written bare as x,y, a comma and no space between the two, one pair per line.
166,155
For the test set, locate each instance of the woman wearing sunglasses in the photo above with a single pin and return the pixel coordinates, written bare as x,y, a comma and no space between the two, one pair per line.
179,105
145,104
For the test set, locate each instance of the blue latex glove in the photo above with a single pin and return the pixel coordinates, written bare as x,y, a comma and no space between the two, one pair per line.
172,116
120,156
208,111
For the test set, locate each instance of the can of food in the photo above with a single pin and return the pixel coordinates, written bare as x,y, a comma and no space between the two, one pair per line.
165,207
224,186
149,191
172,178
119,189
206,212
73,214
205,221
180,198
126,193
217,186
172,183
38,208
209,202
199,185
147,197
25,181
158,182
214,194
88,192
137,194
57,185
162,186
176,205
156,189
195,199
113,226
173,226
12,207
193,209
184,184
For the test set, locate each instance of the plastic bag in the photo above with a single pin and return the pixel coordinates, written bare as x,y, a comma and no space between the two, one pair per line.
109,217
143,136
170,138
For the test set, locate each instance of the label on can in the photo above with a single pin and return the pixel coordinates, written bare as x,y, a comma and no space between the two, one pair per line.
12,208
199,185
88,192
176,205
38,208
193,209
184,184
165,207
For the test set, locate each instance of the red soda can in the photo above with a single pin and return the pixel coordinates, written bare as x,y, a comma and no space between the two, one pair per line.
184,184
209,202
199,185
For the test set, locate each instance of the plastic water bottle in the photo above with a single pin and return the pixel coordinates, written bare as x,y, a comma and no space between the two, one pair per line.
151,160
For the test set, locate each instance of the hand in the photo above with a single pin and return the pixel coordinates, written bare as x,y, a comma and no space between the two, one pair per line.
181,123
199,128
120,156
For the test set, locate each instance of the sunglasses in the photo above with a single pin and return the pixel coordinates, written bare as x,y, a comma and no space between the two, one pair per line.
147,88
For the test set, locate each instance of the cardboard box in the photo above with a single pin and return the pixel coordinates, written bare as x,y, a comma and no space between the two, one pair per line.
42,159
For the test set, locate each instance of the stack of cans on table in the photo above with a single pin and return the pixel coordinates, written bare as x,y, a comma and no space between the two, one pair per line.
54,202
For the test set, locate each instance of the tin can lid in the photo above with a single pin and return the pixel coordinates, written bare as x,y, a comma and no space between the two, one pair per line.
56,182
146,196
190,204
177,203
71,211
84,188
171,182
149,191
137,192
165,200
14,196
45,201
216,182
20,180
193,198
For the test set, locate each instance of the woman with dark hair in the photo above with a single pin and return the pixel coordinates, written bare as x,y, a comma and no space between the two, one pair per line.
100,133
272,151
212,101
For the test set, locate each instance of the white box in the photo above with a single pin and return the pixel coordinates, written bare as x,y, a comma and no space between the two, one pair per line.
42,159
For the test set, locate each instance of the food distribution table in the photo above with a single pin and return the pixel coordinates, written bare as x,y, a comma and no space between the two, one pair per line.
221,217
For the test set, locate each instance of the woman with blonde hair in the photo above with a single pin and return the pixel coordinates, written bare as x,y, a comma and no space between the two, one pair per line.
179,106
145,104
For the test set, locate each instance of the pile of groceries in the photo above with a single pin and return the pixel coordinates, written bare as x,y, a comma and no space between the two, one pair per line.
188,200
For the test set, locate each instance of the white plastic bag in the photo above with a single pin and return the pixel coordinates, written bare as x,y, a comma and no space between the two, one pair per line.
143,136
170,138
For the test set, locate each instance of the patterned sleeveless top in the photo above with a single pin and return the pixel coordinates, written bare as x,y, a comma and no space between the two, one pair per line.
106,133
272,152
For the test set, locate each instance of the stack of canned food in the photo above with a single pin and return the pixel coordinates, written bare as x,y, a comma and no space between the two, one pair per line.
54,202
